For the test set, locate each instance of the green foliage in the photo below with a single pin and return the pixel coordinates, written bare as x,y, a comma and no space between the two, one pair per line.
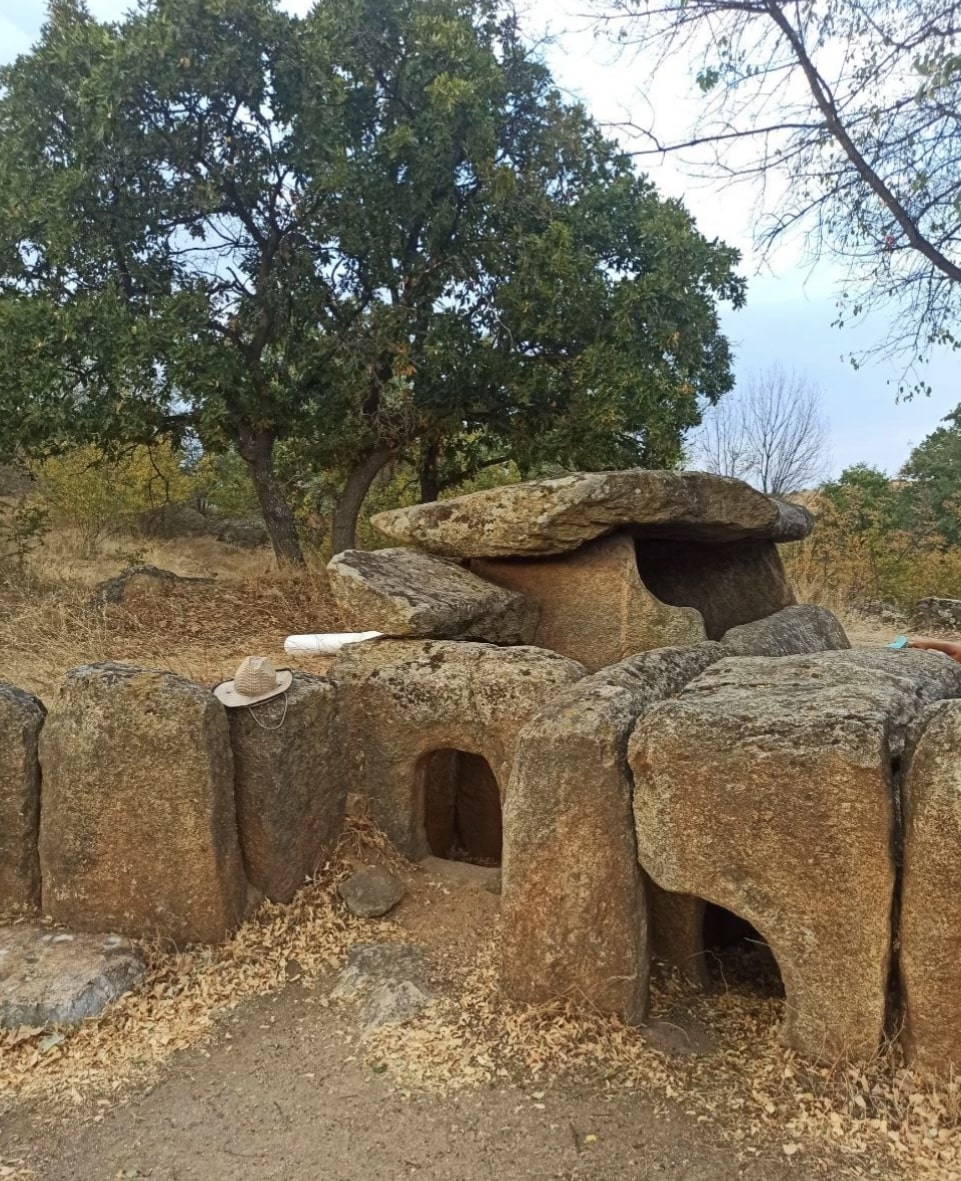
367,230
96,494
934,472
23,526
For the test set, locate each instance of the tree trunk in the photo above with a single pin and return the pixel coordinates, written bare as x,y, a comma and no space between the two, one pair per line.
343,531
427,473
257,451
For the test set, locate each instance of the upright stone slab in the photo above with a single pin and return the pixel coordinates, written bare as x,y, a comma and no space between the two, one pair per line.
408,703
138,829
557,516
574,903
21,717
291,784
930,933
403,593
592,605
767,788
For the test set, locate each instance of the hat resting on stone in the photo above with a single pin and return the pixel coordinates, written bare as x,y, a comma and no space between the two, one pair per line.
256,679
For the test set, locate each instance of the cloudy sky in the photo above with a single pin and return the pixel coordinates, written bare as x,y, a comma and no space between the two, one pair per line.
790,305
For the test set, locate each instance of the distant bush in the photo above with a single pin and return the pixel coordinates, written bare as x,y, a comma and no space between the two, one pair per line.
97,495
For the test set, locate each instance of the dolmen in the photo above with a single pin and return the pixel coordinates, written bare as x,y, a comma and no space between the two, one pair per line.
603,684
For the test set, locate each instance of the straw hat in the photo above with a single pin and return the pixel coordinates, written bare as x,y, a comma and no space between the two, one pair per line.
255,680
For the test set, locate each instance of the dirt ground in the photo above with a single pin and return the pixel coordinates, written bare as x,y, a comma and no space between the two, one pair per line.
286,1098
283,1086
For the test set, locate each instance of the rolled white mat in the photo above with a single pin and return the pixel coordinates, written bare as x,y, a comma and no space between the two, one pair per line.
326,644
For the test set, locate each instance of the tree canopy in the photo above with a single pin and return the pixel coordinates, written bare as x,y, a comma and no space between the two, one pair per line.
849,114
377,230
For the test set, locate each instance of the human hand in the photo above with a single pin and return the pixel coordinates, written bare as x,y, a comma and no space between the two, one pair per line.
950,648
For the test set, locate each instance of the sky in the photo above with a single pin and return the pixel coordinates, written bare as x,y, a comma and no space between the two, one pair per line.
790,306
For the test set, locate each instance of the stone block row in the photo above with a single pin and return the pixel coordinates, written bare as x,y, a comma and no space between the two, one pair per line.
778,789
158,813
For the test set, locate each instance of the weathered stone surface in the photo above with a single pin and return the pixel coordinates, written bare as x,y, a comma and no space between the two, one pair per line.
937,615
728,584
371,964
573,902
401,592
930,932
556,516
406,700
290,782
21,716
138,829
766,788
136,579
388,979
371,892
592,605
789,632
55,978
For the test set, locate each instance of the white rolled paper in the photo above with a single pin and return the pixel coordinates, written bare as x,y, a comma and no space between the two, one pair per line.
326,644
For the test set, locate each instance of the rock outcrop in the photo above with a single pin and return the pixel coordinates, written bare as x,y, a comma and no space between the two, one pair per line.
557,516
937,615
138,829
574,902
291,784
60,978
21,717
404,593
408,703
592,605
767,788
789,632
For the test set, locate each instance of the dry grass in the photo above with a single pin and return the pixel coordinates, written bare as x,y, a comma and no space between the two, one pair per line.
198,630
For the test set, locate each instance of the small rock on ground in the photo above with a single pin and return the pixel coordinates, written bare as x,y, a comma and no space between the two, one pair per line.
370,965
371,892
392,1004
55,978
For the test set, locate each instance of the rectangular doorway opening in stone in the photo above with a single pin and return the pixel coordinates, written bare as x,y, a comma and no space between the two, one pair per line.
462,807
737,957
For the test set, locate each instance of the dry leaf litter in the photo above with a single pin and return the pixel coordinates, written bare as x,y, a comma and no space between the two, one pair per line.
866,1120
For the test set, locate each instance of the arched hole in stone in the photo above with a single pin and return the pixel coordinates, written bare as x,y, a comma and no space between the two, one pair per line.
462,807
737,957
729,583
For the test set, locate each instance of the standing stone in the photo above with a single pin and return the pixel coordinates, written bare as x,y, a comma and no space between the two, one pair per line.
21,717
930,934
767,788
593,606
789,632
403,593
407,700
574,902
291,784
557,516
138,829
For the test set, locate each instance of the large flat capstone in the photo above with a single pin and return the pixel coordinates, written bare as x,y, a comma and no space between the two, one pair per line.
556,516
50,977
404,593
